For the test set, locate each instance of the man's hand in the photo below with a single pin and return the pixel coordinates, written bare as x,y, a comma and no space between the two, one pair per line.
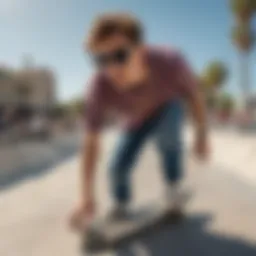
84,211
82,215
198,110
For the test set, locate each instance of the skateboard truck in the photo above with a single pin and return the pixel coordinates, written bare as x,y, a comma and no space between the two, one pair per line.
93,240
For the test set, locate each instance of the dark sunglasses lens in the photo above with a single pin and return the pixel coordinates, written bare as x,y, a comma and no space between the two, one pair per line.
121,56
116,57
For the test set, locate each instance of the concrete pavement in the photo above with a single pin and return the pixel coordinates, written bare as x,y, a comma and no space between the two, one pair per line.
221,218
22,159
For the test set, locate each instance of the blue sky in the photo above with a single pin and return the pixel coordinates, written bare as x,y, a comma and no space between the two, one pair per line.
52,32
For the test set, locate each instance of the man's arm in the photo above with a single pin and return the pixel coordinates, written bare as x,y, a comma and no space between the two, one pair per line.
89,156
85,209
94,117
196,105
189,84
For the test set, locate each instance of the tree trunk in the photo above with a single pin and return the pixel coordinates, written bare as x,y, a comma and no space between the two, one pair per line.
244,76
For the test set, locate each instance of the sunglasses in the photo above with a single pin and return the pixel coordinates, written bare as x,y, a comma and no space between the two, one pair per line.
117,57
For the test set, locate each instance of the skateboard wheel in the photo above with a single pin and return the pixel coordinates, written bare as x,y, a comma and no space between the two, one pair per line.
93,241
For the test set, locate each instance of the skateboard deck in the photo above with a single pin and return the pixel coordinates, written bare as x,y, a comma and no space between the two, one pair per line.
106,234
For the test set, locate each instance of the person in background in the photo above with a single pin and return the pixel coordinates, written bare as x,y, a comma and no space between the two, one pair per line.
147,87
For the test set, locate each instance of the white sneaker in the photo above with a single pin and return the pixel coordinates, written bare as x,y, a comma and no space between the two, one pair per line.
118,213
176,197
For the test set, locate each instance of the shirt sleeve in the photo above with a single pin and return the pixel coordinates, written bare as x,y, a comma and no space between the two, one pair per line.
187,80
95,105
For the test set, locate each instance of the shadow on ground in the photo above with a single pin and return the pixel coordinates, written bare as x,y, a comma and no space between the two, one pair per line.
38,168
189,238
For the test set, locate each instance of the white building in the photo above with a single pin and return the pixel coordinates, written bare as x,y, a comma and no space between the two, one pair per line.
29,87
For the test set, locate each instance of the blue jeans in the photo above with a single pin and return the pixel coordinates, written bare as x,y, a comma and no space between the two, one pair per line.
166,128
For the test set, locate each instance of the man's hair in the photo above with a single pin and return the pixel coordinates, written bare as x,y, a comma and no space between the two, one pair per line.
109,24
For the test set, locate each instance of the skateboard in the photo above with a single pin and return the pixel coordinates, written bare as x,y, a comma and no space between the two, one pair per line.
105,234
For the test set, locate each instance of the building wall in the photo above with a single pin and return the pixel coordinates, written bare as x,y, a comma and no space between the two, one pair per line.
30,87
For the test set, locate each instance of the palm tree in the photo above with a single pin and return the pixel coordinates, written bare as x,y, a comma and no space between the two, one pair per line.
226,104
214,74
243,39
243,9
77,106
213,77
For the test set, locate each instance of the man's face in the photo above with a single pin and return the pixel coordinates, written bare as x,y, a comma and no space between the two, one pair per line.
115,57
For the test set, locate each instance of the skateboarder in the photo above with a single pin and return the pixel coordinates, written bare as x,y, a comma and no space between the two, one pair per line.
147,88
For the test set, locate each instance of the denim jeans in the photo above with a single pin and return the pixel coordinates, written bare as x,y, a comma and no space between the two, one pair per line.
165,127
